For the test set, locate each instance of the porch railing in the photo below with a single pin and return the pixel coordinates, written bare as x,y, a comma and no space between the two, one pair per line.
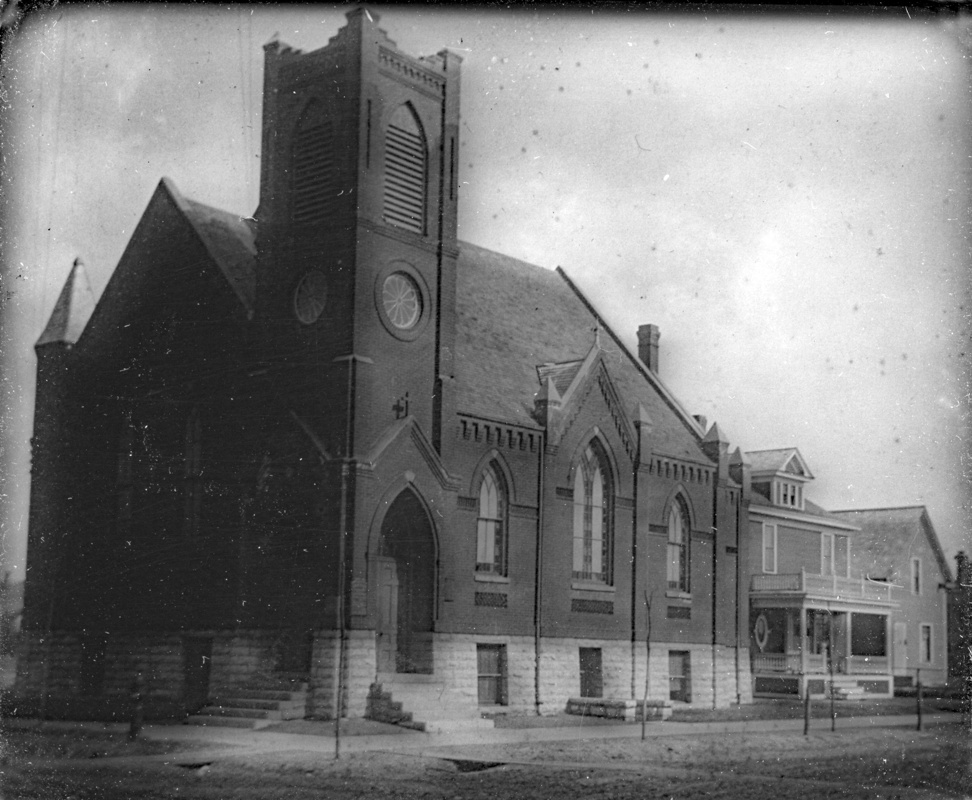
793,663
776,662
787,662
831,586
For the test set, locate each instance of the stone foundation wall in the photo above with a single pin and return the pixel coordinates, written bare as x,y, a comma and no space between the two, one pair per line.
560,670
708,690
246,656
239,658
745,677
456,661
361,671
158,657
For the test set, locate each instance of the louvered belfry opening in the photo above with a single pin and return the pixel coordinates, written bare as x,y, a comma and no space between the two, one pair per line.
313,169
405,172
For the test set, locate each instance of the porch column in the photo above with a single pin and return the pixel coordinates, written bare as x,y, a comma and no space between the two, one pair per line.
804,622
888,642
847,644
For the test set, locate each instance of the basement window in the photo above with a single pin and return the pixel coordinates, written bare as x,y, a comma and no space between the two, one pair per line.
491,664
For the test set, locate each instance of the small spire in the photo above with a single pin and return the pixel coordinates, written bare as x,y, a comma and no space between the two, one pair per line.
72,309
548,393
715,435
738,457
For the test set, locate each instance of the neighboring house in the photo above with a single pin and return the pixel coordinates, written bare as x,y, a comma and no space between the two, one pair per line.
333,429
900,546
812,610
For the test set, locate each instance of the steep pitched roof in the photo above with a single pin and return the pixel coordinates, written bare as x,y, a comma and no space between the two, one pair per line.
229,239
562,375
72,309
513,317
778,461
889,537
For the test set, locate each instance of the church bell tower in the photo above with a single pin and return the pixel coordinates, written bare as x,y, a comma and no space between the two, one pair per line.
357,233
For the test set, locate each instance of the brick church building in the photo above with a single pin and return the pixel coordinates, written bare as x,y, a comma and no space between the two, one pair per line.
333,444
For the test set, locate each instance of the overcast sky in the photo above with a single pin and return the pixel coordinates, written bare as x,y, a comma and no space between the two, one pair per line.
785,196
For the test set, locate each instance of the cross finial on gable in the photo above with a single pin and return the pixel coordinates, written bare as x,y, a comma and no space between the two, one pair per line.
401,406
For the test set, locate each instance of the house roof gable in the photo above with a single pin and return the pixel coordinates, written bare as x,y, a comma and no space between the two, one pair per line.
890,537
786,460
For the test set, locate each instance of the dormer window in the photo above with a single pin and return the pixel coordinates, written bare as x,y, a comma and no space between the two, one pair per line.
788,493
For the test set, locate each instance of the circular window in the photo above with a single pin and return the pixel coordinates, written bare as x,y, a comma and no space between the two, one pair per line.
310,297
401,300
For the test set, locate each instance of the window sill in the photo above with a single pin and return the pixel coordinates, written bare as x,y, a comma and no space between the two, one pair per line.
679,595
591,586
490,577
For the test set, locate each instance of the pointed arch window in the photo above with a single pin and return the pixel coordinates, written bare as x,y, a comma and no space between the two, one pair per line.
592,517
678,547
193,471
405,168
491,541
313,168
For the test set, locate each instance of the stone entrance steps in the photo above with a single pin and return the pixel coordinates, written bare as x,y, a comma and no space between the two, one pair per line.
256,704
847,689
424,703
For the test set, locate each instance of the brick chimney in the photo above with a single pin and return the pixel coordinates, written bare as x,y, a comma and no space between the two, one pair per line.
648,346
963,573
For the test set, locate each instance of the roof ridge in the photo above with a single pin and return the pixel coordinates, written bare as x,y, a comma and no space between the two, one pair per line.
539,267
879,508
186,206
217,209
680,411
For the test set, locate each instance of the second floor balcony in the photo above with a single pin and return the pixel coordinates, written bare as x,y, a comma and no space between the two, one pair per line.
821,587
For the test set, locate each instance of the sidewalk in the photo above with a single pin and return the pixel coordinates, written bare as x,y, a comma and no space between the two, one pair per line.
216,743
419,743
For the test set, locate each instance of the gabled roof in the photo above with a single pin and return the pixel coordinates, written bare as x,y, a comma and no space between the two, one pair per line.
890,537
562,375
513,317
408,426
786,459
229,238
72,309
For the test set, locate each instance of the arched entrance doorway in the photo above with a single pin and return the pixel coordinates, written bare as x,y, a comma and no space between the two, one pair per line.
406,587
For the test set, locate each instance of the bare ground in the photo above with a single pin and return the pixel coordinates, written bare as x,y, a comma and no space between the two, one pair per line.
860,763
